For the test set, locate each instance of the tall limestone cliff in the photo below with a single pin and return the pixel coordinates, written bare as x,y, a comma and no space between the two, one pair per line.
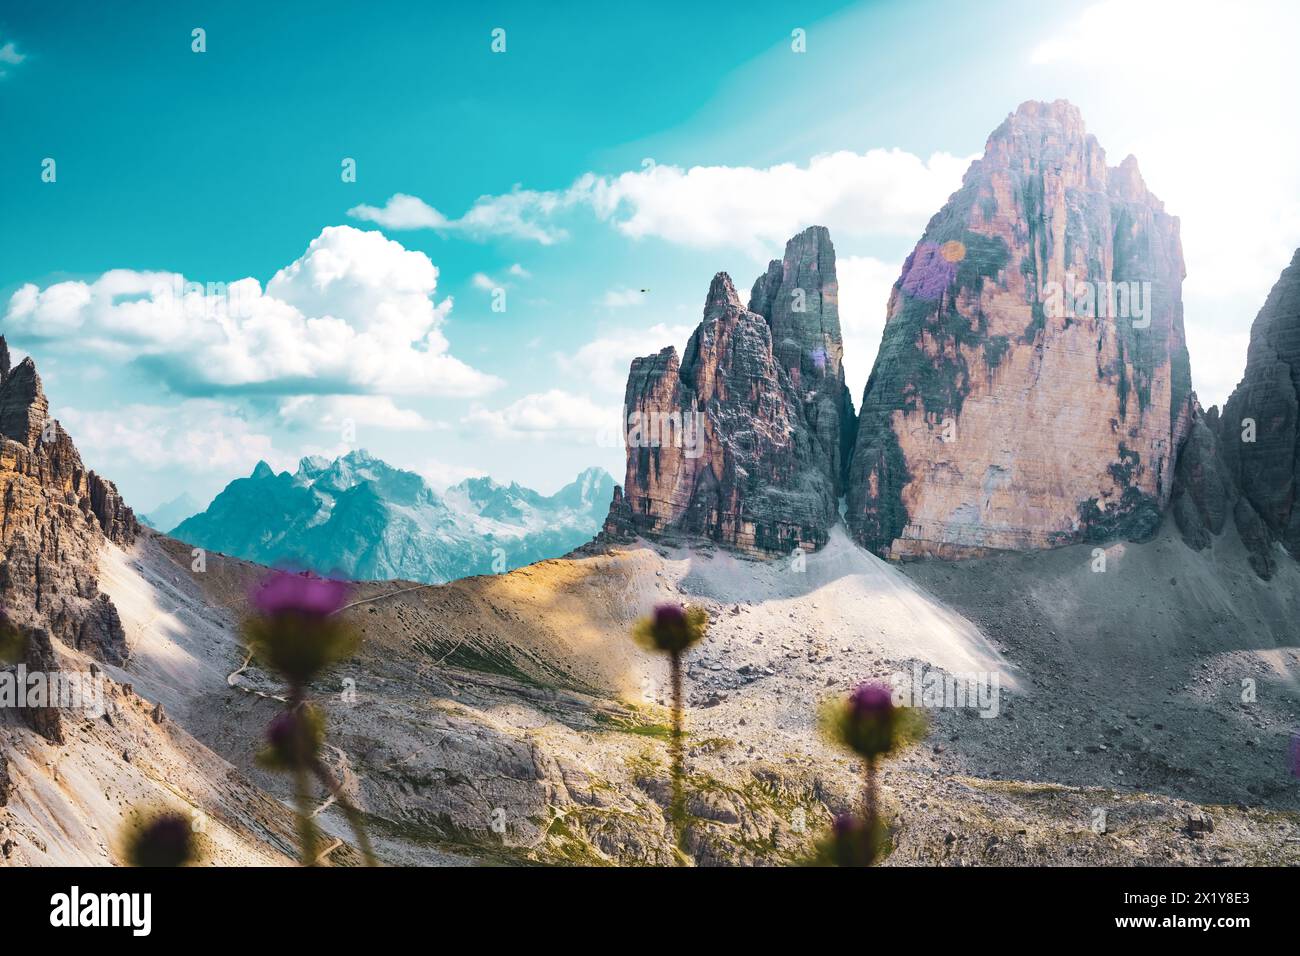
1032,385
720,445
55,517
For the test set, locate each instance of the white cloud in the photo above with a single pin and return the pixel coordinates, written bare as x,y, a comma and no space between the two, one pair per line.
401,212
441,476
881,192
354,315
547,415
603,363
10,56
489,283
865,284
516,214
622,298
334,412
199,436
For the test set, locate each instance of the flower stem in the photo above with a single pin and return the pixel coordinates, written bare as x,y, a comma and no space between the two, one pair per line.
869,810
349,811
306,829
677,810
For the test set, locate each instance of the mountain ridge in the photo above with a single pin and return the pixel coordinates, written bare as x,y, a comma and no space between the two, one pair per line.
359,517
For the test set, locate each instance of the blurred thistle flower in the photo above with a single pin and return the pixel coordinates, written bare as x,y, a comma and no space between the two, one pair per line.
296,630
294,738
302,594
671,629
1295,755
852,842
166,839
870,725
13,642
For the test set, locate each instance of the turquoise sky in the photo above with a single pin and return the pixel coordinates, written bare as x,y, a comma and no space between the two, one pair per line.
226,164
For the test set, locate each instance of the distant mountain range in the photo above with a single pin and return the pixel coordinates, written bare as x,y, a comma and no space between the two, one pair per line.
362,518
169,514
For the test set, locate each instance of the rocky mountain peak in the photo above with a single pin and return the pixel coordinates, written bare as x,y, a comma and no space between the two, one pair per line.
24,408
722,296
799,297
1259,430
56,516
1032,385
740,442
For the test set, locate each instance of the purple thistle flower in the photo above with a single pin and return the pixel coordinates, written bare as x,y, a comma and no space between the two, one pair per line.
1295,755
852,841
871,700
301,594
670,615
868,722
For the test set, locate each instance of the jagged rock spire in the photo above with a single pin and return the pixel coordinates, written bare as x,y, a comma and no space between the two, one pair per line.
721,444
799,297
23,406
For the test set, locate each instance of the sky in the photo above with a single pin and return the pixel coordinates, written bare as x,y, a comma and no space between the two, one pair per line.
442,235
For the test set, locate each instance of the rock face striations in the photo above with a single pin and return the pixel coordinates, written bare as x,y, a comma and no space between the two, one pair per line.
1032,385
741,441
55,517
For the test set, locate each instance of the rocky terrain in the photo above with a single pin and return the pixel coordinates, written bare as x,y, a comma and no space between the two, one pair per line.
510,719
70,777
57,516
361,518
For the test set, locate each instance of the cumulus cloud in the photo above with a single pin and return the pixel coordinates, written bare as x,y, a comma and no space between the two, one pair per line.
354,314
603,362
200,436
546,415
337,412
883,192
